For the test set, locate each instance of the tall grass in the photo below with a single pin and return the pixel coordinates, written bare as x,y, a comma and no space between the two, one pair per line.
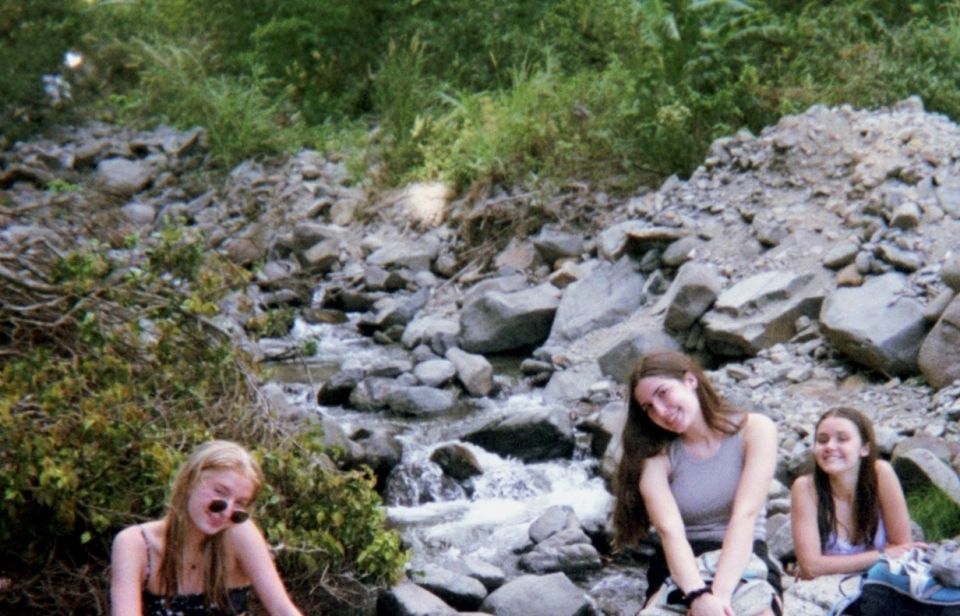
936,513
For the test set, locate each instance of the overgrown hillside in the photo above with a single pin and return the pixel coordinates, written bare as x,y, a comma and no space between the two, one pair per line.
476,92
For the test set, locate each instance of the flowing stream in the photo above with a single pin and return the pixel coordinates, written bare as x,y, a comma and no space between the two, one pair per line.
488,519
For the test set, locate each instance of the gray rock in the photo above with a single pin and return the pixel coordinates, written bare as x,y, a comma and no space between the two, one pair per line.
645,338
875,325
681,251
440,334
921,469
455,589
939,355
435,372
532,435
553,244
841,254
473,371
122,177
762,310
506,321
568,550
950,272
139,214
456,461
412,255
491,576
579,312
572,384
906,216
421,401
552,521
408,599
537,595
691,294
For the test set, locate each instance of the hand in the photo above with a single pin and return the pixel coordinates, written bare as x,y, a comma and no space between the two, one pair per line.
709,605
896,551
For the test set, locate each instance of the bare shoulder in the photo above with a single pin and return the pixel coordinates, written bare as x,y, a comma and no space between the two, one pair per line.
802,485
129,547
759,428
885,471
244,538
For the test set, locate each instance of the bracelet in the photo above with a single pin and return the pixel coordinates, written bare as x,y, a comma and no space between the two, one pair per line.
690,597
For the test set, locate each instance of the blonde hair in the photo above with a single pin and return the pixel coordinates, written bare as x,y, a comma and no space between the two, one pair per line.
209,456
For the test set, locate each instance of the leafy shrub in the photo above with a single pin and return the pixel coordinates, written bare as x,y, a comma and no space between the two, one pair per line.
111,374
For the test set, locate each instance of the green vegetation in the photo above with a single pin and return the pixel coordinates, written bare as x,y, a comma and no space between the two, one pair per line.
935,512
480,92
111,373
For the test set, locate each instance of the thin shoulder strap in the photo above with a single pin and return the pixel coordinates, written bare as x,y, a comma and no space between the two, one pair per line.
146,544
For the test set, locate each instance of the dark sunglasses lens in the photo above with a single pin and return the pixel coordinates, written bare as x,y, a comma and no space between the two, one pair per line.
238,517
217,506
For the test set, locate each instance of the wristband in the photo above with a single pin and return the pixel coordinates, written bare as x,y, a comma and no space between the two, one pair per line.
690,597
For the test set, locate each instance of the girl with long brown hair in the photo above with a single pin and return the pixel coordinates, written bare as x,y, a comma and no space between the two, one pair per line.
698,471
851,509
204,555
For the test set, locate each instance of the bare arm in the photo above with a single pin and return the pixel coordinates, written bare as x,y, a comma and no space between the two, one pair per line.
254,555
128,561
665,517
811,561
760,456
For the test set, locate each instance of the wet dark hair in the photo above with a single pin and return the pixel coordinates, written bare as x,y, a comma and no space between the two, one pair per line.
866,505
643,439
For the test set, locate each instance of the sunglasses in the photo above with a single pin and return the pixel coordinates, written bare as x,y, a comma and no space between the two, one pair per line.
219,506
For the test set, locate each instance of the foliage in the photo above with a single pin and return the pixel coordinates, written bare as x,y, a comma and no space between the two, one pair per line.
936,513
111,372
34,34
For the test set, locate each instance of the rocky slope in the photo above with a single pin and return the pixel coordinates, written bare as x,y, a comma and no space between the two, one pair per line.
814,265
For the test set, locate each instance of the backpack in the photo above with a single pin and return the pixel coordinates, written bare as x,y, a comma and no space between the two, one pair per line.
904,586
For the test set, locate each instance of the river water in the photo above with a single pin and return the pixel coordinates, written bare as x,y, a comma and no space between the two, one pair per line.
438,518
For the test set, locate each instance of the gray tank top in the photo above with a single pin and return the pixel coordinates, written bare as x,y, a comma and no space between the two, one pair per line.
705,489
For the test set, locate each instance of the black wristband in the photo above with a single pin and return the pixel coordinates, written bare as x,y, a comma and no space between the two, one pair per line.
690,597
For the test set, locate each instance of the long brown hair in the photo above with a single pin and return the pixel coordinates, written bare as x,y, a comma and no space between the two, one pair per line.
865,501
210,456
642,438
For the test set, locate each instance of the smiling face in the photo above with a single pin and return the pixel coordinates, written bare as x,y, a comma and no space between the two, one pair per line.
233,487
670,403
838,446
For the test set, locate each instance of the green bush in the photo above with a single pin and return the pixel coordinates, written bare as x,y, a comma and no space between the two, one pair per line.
107,381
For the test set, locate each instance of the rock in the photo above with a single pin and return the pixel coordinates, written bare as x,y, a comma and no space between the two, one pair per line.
841,254
761,311
455,589
491,576
939,354
415,256
681,251
906,216
435,372
691,294
139,214
456,461
408,599
552,521
641,339
420,401
380,449
439,333
532,434
122,177
336,391
921,469
553,244
950,272
498,322
537,595
875,325
579,312
568,550
473,371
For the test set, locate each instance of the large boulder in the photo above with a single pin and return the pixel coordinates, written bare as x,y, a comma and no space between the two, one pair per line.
877,325
619,287
761,311
532,434
537,595
408,599
497,322
693,291
939,355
